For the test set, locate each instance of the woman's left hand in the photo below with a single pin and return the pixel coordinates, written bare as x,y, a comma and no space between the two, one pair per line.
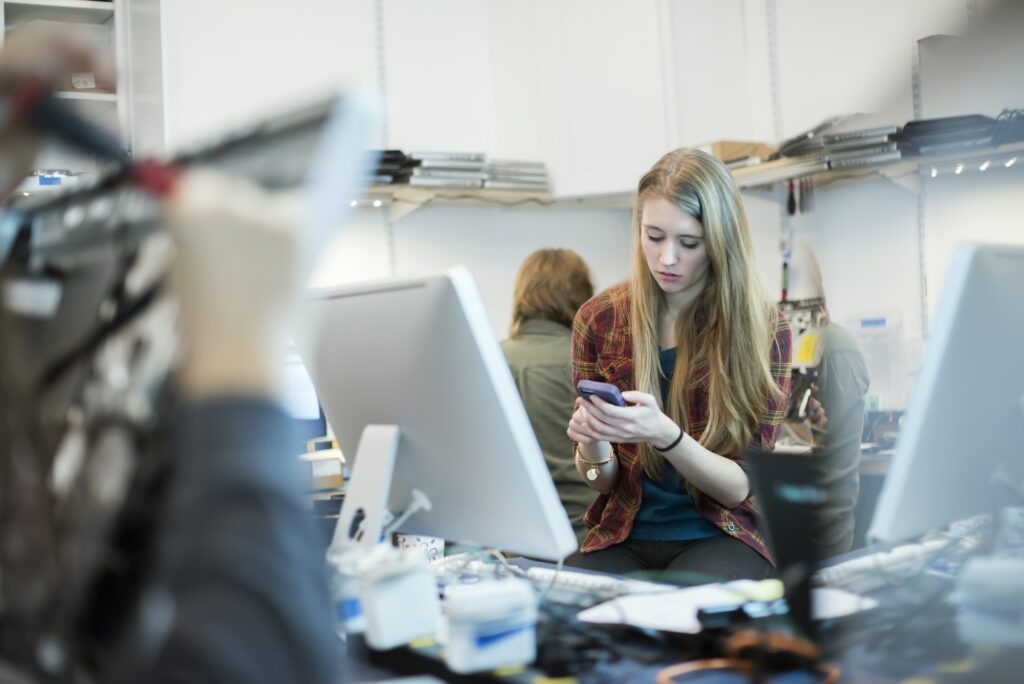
643,421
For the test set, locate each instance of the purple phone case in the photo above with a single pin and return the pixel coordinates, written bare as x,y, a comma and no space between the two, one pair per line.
609,393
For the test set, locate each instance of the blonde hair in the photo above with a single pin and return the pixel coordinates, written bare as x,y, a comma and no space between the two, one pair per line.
551,285
724,339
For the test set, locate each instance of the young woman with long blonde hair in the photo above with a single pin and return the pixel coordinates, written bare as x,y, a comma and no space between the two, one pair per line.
701,354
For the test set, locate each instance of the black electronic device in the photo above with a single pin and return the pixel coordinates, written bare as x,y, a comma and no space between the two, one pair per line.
790,496
947,134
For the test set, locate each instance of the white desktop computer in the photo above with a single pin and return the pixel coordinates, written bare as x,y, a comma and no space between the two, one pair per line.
414,384
961,448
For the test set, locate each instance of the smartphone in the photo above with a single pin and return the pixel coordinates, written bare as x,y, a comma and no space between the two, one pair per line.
609,393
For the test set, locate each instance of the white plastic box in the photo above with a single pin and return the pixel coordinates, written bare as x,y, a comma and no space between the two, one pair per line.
399,599
491,624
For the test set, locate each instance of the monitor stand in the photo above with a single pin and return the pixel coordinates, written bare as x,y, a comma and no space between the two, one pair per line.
366,494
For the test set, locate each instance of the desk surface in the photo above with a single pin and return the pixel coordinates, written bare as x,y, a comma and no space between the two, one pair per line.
912,635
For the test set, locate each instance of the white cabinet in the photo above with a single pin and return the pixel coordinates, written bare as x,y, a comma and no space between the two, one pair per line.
230,62
580,84
721,69
606,81
438,78
465,75
142,75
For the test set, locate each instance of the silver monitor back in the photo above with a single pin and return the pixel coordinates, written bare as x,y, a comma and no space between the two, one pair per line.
962,440
421,354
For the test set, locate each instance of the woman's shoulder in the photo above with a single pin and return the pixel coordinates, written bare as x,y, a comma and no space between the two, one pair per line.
779,321
607,308
783,336
777,316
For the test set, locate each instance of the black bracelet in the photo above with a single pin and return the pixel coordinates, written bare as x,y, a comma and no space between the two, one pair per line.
671,446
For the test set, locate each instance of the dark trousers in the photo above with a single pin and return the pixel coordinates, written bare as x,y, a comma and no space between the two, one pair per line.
721,557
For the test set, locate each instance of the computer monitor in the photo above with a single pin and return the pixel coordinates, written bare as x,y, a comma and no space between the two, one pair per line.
961,450
300,401
420,354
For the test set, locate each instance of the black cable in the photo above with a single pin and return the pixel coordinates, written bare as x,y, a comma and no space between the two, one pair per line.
487,200
1009,127
124,315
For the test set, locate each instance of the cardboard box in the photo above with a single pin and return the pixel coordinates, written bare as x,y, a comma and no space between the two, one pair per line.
323,469
728,150
84,82
98,37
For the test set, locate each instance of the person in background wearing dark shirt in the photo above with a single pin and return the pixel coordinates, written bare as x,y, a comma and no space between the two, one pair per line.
838,423
702,357
232,586
550,287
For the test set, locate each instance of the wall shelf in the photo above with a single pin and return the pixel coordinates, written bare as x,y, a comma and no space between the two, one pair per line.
766,175
75,11
87,97
402,200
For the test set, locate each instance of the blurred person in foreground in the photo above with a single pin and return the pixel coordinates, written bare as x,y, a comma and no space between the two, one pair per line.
226,582
550,287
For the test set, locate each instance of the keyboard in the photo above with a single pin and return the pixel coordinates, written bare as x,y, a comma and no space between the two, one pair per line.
875,570
572,581
591,583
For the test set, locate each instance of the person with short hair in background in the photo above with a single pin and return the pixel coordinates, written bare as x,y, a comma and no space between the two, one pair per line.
550,287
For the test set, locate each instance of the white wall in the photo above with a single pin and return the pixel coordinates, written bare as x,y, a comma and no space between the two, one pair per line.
763,217
228,62
491,242
972,207
845,57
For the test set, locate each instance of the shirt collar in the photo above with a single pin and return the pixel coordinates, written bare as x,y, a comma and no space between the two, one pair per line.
538,326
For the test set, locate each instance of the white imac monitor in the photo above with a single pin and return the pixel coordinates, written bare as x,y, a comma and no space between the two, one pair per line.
421,355
961,448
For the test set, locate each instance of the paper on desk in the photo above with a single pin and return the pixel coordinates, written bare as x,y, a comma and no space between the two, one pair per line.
676,611
829,603
671,611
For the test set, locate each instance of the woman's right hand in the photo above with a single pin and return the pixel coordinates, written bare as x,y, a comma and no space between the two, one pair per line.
581,425
592,449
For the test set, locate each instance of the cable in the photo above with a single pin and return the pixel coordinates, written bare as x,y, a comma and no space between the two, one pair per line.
551,584
753,652
488,200
1009,127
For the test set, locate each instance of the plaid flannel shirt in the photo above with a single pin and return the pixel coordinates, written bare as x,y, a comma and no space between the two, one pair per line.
602,350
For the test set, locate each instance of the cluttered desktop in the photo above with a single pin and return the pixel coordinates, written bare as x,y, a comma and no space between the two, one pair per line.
935,593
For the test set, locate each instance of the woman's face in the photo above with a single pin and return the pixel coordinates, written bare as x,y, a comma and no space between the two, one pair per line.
673,243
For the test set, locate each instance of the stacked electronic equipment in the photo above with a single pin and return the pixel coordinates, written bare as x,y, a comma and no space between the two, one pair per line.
465,170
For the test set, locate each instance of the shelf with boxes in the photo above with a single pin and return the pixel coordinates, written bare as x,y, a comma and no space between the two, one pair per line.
94,23
400,200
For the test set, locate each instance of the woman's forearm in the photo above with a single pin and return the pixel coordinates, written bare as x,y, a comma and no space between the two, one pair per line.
717,476
605,466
